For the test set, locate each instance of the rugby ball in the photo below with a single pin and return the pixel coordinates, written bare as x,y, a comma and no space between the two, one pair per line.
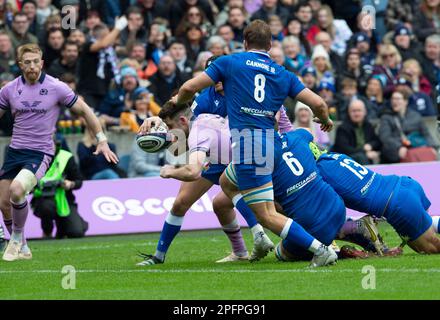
154,141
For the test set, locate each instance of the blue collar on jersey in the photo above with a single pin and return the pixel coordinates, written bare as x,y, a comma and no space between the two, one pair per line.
40,80
260,52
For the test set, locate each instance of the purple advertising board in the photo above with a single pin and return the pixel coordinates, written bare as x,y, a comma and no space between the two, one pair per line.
141,205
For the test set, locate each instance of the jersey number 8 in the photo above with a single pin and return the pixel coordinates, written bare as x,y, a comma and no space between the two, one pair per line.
260,83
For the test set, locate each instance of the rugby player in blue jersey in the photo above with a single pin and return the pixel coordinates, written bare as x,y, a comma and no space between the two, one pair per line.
255,89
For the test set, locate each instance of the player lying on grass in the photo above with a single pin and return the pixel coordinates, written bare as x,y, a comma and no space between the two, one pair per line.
255,89
401,200
35,100
304,196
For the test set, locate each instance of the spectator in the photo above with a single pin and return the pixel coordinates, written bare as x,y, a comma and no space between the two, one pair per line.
427,19
388,63
152,9
431,59
276,28
349,92
98,63
237,21
327,91
338,29
375,96
52,22
68,61
362,42
177,51
309,78
353,69
157,40
304,14
49,207
225,31
29,8
85,6
93,19
304,119
365,25
167,79
201,60
270,8
398,12
7,54
70,80
277,55
194,16
412,71
144,164
324,39
19,33
135,31
356,136
6,13
52,52
120,98
143,107
78,37
402,129
321,62
95,167
403,40
417,101
179,7
294,28
194,41
216,45
222,17
291,48
45,9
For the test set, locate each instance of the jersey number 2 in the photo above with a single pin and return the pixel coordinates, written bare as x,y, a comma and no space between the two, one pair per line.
260,83
293,164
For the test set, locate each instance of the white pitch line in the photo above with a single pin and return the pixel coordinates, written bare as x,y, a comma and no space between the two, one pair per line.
319,270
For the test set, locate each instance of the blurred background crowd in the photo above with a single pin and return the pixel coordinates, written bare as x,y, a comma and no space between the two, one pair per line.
376,64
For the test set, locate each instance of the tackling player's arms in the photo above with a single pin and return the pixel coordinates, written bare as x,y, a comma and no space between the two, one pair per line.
189,172
191,87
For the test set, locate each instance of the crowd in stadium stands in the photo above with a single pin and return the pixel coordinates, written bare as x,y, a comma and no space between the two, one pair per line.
379,83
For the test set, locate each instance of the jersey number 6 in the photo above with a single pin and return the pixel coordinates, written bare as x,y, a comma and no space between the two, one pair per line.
293,163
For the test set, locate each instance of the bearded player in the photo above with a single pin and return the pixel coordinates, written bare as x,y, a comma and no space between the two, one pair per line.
35,100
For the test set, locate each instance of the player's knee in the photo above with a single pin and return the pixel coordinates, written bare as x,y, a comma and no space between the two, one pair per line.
17,192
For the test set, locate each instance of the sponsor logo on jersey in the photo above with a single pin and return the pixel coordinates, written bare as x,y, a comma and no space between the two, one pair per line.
257,112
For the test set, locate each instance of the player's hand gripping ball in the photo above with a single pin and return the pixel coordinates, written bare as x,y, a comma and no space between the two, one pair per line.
157,139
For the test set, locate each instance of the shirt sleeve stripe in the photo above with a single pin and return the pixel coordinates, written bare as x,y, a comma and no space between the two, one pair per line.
4,107
70,105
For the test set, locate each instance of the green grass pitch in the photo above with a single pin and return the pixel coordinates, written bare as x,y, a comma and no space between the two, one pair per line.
105,269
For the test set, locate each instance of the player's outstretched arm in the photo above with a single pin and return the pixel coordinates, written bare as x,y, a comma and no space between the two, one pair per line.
92,122
191,87
318,106
188,172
